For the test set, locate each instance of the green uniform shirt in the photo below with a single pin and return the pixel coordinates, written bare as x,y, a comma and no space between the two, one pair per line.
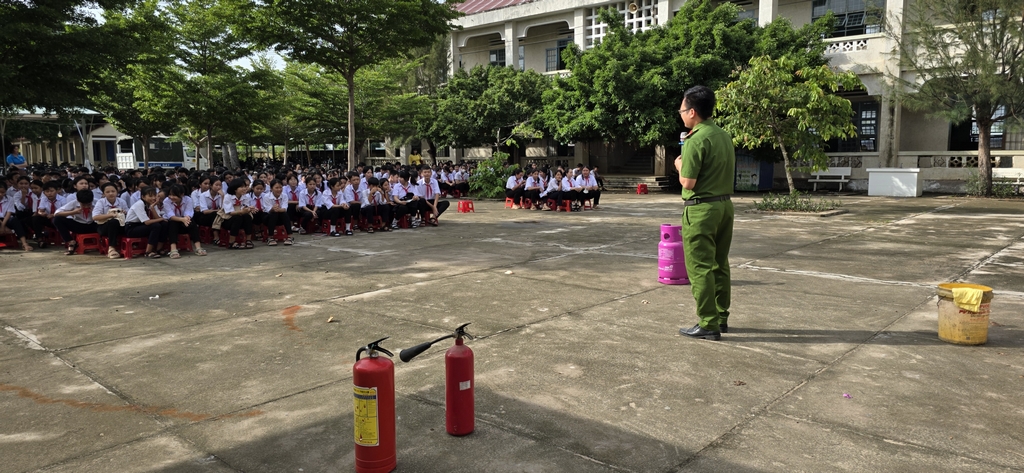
709,157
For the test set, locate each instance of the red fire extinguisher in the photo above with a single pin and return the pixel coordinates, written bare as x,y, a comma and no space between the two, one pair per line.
459,384
373,380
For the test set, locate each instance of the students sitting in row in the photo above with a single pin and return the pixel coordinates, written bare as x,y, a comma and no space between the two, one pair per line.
143,221
276,205
515,187
7,219
107,212
237,215
179,212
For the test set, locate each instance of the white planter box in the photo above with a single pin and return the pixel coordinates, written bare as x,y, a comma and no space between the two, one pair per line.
895,182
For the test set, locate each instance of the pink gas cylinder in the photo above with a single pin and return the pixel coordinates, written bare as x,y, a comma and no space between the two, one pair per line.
671,262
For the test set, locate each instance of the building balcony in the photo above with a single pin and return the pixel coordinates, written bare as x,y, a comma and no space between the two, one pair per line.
862,54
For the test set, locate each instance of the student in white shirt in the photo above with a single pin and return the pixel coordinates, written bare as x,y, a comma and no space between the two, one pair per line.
105,213
75,217
333,206
514,188
570,191
533,187
240,221
291,191
374,203
43,212
143,221
275,203
554,190
307,205
254,199
350,195
406,202
430,194
210,203
179,212
589,188
7,219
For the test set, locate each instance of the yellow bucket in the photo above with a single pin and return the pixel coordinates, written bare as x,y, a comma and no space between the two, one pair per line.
961,326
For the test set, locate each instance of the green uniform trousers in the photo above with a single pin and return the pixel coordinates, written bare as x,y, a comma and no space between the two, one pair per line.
707,236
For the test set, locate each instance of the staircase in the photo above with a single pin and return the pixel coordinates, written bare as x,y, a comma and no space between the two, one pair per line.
622,182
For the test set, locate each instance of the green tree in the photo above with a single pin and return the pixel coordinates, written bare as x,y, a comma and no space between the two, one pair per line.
345,36
133,97
626,87
796,111
488,105
48,49
968,57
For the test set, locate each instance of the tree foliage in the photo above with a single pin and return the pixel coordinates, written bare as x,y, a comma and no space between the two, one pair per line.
968,57
488,105
345,36
616,88
796,111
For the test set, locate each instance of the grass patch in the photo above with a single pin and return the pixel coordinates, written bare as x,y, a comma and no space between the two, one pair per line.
795,202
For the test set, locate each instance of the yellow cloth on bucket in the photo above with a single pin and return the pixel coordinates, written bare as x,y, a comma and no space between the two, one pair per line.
968,298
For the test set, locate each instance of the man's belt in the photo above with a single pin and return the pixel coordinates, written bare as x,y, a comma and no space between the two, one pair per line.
687,203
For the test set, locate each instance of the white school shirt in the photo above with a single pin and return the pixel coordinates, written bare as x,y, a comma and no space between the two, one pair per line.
531,182
184,209
103,206
307,200
400,191
51,206
11,191
196,196
6,206
329,199
512,182
589,182
208,202
230,202
364,198
269,200
348,195
78,216
252,200
135,197
19,201
543,183
97,194
567,184
289,193
428,190
137,213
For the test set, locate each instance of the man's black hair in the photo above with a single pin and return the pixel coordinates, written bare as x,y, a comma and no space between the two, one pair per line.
702,100
84,197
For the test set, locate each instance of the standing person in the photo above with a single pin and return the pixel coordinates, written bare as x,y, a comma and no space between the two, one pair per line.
706,171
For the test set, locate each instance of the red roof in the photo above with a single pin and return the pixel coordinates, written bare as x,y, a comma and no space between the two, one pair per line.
470,7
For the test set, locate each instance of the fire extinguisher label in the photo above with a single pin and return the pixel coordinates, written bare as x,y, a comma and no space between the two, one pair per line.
465,385
367,431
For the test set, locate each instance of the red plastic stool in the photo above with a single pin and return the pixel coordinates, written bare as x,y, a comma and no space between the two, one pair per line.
224,238
8,239
184,243
325,226
587,205
466,206
132,247
261,233
88,241
509,202
641,189
404,222
205,235
53,238
527,203
280,233
456,193
427,216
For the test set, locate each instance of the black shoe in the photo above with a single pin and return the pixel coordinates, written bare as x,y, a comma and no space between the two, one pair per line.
723,327
697,332
335,234
348,232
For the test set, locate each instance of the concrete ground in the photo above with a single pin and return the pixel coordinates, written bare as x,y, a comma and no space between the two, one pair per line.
579,365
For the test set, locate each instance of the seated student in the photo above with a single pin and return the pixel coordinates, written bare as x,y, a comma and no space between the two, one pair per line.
7,219
554,190
542,180
75,217
350,195
179,210
42,214
240,219
514,188
254,199
374,203
276,204
533,188
570,191
308,203
447,181
105,213
405,201
143,221
333,207
24,199
588,188
197,191
210,202
430,193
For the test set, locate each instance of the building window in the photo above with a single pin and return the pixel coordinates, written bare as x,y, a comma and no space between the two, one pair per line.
460,61
965,136
497,57
643,18
522,58
853,17
865,120
553,56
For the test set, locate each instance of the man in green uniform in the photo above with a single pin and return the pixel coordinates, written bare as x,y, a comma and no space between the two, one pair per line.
706,171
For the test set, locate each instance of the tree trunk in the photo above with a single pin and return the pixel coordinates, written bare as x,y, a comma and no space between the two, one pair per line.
309,156
229,151
145,152
785,162
350,79
985,156
209,148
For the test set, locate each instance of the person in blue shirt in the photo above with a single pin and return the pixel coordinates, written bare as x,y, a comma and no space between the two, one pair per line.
15,158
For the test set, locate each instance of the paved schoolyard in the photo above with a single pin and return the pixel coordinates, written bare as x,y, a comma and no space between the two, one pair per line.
579,365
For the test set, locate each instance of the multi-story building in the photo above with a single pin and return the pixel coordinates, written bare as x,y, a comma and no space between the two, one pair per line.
530,34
